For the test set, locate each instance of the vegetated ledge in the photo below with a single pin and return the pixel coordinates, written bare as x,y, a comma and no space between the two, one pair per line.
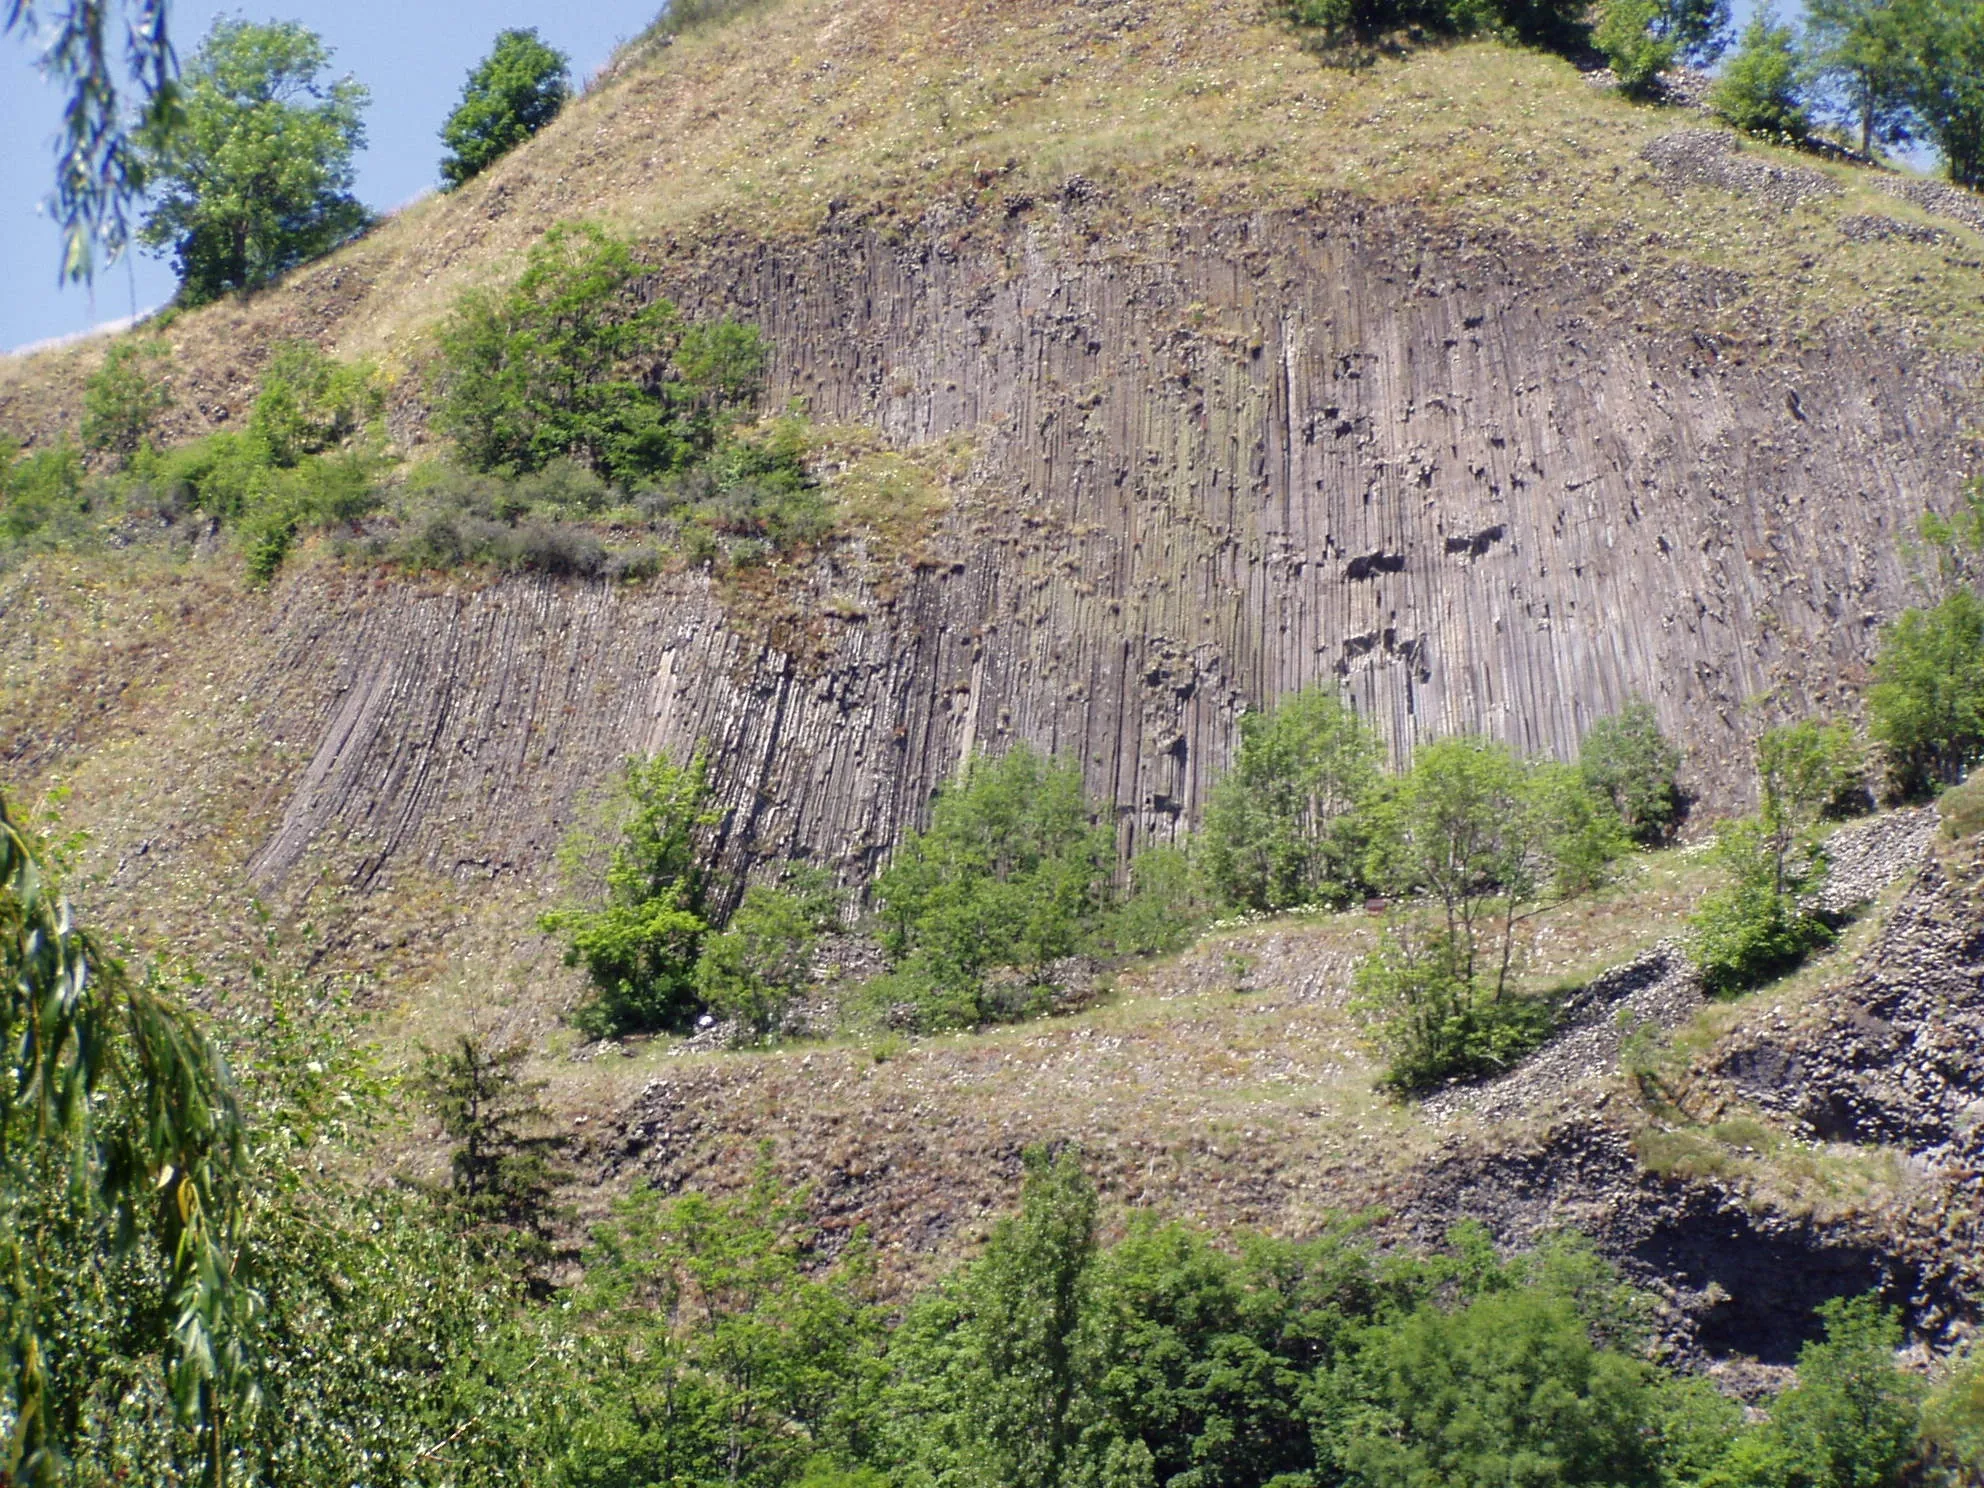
1255,1108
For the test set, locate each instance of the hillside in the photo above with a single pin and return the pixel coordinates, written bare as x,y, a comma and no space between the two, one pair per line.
1218,373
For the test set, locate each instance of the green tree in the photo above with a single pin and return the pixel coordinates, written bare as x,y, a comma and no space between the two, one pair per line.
253,175
1945,39
993,1386
1492,841
1926,707
725,1347
570,362
1629,36
122,1164
759,967
1758,90
1859,50
1279,827
123,398
501,1169
1756,926
1508,1389
1013,871
640,947
1853,1419
511,94
1627,760
1806,772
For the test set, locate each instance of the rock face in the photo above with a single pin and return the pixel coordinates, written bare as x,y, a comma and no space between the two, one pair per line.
1213,464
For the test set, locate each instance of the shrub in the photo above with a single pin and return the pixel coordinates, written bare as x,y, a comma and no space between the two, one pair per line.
511,94
571,363
757,969
1280,828
1638,55
1432,1021
640,946
1507,1389
1345,30
124,397
1808,772
1853,1418
1753,929
42,494
309,402
1012,871
1625,759
1758,89
1163,910
1926,707
1492,841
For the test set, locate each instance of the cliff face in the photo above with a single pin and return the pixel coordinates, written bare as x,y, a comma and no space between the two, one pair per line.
1214,463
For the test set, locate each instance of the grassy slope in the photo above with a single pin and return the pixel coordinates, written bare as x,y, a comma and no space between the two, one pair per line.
765,125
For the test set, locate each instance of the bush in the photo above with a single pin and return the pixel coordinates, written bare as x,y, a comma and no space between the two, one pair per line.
759,967
1508,1389
1625,759
123,398
640,946
1280,828
1853,1418
511,94
570,362
1163,910
309,403
1926,707
1013,871
1626,35
42,495
1754,930
1491,841
1433,1022
1758,89
1808,772
1346,30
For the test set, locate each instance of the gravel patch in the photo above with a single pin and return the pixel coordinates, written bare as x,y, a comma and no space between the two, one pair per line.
1714,157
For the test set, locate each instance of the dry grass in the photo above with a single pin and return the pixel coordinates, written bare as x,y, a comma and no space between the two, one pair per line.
772,123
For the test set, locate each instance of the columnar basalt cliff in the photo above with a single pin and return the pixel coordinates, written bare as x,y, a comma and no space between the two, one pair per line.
1213,464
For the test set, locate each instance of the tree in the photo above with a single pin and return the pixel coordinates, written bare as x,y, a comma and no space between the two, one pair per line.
727,1348
1013,871
502,1174
253,175
1627,760
1853,1418
1627,33
1757,926
1508,1389
1492,841
124,397
572,363
511,94
639,948
758,967
122,1163
1277,829
99,168
1758,90
1946,42
1926,707
1859,49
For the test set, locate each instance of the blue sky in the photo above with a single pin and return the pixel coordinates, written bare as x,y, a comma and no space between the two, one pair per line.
413,54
